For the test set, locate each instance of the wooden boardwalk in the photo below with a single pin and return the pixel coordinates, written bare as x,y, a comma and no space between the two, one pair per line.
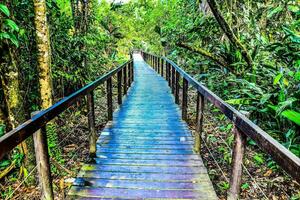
147,151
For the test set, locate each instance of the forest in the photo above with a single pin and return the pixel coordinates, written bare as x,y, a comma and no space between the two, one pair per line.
247,52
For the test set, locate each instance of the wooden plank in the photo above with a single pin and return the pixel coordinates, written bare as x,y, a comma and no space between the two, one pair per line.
133,193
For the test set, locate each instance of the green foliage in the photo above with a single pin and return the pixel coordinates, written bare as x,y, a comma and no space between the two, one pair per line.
8,28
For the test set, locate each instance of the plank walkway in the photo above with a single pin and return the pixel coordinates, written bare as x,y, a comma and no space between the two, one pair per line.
147,151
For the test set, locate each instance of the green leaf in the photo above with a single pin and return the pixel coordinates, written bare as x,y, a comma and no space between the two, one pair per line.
277,79
292,115
12,25
258,159
274,11
241,101
293,8
13,39
4,35
4,10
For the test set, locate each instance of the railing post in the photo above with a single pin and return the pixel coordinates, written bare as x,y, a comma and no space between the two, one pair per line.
42,160
162,67
173,80
200,112
119,77
132,71
129,74
169,74
237,161
109,99
177,87
91,122
125,80
158,65
184,99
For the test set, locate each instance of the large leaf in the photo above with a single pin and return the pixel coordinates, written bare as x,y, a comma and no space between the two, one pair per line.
292,115
4,10
274,11
241,101
12,25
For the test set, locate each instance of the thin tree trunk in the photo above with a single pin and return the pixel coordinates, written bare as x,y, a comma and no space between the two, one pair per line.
229,33
44,53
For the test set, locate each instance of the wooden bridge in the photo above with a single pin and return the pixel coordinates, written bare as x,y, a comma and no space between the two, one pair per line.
146,150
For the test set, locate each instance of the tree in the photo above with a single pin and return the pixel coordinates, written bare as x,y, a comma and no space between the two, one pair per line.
44,53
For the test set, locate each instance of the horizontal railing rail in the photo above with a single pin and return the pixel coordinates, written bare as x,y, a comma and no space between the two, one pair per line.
36,125
243,127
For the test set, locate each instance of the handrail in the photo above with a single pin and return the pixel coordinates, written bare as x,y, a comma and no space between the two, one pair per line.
243,126
19,134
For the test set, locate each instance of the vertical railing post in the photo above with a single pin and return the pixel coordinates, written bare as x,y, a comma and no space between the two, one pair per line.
200,110
158,65
167,71
184,99
109,99
162,67
237,163
177,87
91,122
119,77
43,164
169,74
125,80
132,71
129,74
173,80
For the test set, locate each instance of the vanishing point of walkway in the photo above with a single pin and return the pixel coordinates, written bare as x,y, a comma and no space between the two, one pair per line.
146,152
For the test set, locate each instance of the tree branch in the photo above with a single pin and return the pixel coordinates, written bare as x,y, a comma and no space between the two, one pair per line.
206,54
229,33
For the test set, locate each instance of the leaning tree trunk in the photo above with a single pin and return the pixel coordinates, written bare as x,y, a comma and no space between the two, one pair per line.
229,33
44,53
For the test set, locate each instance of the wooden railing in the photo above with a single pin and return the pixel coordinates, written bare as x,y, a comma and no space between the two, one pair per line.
36,125
243,127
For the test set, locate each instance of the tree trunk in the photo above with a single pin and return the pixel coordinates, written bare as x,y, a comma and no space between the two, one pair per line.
229,33
44,53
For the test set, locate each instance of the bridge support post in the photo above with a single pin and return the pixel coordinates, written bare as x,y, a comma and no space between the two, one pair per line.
177,87
200,112
132,71
125,80
109,99
169,73
237,160
184,99
43,164
91,121
162,67
119,77
173,80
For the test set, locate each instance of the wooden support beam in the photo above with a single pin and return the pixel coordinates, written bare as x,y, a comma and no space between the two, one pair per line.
184,98
132,71
162,67
177,86
237,161
119,77
91,122
125,80
169,73
109,99
199,127
42,161
173,80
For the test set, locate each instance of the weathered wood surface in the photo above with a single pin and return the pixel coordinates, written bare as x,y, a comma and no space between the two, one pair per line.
147,151
285,158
